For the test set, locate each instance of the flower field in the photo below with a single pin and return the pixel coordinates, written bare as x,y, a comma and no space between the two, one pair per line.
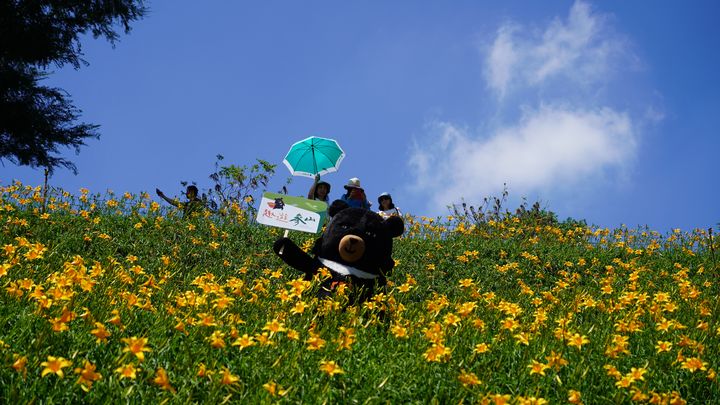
109,298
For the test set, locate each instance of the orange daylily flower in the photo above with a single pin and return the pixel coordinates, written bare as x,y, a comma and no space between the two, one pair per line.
161,379
87,376
54,365
330,368
136,346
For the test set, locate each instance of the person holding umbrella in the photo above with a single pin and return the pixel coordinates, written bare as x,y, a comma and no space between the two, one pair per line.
320,190
355,195
313,157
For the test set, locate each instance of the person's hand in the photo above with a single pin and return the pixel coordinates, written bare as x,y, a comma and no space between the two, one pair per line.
317,178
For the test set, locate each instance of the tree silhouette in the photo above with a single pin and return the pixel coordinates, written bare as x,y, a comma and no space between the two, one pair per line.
36,120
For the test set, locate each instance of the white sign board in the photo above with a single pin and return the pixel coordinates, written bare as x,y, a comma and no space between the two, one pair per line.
294,213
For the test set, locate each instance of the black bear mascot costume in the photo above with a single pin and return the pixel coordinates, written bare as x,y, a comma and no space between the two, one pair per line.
356,247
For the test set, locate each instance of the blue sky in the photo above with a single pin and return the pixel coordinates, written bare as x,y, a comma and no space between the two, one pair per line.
604,111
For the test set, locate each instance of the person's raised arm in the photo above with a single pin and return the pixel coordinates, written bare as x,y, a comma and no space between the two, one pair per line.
365,203
311,193
166,198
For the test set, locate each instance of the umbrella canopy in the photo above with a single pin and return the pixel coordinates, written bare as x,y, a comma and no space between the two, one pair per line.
313,156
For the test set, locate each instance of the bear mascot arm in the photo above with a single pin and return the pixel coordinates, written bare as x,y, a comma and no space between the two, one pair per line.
394,226
295,257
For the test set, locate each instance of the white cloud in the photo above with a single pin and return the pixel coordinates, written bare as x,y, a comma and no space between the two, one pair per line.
572,139
548,147
502,58
581,49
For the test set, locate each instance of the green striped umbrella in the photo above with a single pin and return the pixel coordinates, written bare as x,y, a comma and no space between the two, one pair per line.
314,155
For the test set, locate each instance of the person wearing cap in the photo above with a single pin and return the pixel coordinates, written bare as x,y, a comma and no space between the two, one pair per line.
387,208
192,205
320,190
355,195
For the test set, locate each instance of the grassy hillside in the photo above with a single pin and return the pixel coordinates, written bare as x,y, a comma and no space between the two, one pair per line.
113,298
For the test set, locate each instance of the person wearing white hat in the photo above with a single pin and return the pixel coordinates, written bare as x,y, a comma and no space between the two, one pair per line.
387,208
355,195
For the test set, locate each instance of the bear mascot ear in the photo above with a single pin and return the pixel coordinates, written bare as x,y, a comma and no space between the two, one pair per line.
337,206
394,226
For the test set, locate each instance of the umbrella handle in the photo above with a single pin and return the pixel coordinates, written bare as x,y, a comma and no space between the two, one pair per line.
285,235
314,161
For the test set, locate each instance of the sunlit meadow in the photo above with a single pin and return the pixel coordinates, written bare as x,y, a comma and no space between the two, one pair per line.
111,297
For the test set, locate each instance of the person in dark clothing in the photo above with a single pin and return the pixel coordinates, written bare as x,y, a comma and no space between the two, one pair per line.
320,190
355,195
192,205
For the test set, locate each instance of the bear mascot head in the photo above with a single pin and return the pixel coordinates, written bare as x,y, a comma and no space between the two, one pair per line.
356,247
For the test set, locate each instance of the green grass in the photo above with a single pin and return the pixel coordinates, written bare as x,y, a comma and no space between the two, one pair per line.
606,285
